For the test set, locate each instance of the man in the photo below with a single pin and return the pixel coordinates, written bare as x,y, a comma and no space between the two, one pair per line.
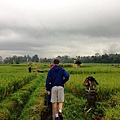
57,76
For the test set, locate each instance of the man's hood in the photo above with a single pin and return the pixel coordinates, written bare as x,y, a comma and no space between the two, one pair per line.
57,68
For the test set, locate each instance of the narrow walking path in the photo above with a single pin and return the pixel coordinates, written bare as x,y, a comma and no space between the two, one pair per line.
73,108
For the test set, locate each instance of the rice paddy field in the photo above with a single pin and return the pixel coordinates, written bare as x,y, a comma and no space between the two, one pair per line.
23,95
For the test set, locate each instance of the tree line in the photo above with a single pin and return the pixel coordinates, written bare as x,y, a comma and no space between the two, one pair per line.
97,58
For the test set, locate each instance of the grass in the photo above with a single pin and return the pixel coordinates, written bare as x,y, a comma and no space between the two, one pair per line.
30,101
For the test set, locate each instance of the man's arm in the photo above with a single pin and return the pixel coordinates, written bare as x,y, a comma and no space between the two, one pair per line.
66,76
48,87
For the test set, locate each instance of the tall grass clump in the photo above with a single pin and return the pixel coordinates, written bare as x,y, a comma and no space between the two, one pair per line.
10,108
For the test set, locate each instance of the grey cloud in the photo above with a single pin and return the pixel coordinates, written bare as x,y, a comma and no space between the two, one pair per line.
113,48
111,31
15,45
79,28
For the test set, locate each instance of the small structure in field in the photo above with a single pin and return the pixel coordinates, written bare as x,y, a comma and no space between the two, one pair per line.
77,63
92,108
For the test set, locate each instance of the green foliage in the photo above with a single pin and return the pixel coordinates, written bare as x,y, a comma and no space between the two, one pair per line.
97,110
23,94
35,104
73,107
13,104
107,90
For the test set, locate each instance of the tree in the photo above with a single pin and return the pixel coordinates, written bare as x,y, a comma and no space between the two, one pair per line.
1,60
97,54
35,58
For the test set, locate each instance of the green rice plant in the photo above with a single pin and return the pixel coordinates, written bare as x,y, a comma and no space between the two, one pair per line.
11,82
108,88
74,84
114,100
73,107
113,113
108,84
35,106
11,106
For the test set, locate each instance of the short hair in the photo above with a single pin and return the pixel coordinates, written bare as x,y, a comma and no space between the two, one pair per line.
56,61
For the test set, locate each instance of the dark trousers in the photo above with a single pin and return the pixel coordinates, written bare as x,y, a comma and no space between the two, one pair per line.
49,99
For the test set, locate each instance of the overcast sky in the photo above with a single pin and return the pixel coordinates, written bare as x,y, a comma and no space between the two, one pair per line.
59,27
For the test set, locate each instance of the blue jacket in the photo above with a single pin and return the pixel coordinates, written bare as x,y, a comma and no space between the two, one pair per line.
57,76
